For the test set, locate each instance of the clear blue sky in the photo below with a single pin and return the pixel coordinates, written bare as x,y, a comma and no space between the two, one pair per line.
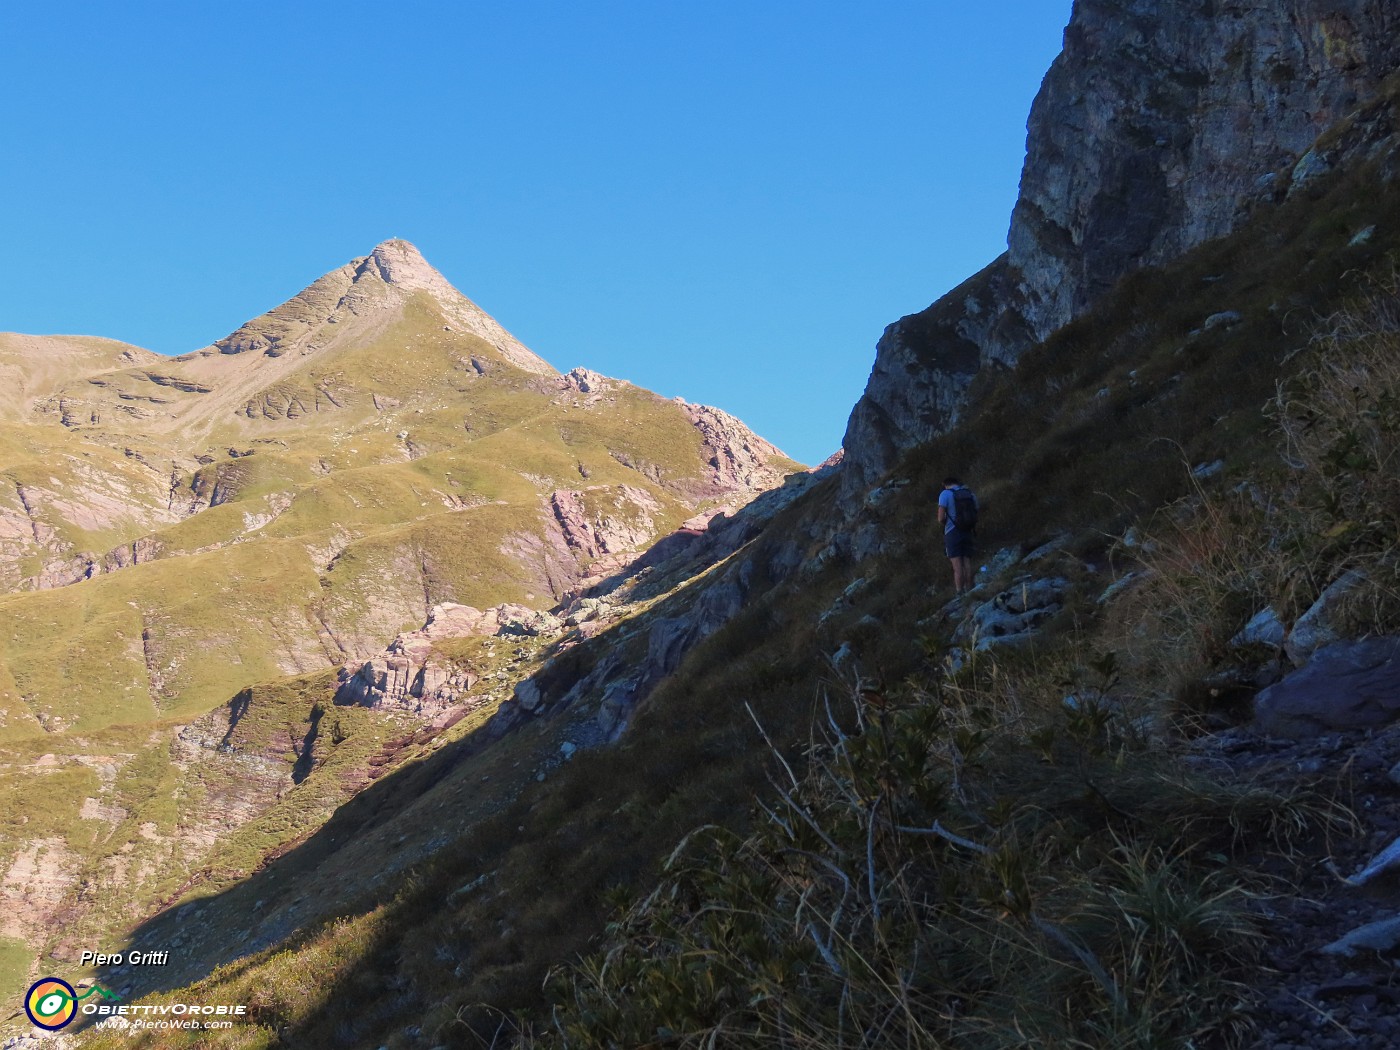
725,201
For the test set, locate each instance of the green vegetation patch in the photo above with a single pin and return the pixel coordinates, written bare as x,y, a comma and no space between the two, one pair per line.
16,961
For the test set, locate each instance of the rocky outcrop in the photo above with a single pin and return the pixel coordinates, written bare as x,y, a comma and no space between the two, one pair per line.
146,548
605,519
412,675
654,645
586,381
1158,127
1015,614
616,683
1325,621
1345,686
739,458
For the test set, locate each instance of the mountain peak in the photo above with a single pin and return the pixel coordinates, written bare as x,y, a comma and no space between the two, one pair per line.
398,262
365,289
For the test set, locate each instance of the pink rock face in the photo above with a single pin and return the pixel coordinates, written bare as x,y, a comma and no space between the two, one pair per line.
741,460
605,520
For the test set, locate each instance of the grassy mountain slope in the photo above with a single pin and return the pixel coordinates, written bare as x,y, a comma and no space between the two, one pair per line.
191,547
1104,899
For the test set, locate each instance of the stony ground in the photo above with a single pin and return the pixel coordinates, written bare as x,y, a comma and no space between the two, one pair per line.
1309,995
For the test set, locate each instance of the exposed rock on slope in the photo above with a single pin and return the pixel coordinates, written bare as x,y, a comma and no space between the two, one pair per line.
1157,128
412,674
34,367
372,448
741,459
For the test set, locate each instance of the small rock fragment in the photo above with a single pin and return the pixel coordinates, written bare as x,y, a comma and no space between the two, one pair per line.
1380,936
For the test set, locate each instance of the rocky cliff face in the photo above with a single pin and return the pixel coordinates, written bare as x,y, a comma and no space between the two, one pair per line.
1160,125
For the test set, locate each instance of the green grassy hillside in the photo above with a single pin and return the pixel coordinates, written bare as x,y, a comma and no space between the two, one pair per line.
190,547
1068,879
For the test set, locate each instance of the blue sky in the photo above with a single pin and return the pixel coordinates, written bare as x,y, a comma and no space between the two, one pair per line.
718,200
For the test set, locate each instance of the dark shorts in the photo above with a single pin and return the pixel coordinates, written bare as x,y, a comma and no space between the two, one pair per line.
957,543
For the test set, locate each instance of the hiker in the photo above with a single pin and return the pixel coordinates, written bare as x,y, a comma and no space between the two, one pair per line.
957,513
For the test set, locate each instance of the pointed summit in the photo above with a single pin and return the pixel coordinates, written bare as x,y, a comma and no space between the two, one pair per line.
365,293
399,262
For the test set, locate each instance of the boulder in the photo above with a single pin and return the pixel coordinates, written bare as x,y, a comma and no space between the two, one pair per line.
880,498
1311,165
844,603
1388,860
616,703
1124,583
1346,685
1264,628
1001,561
1383,936
1014,613
528,694
1048,548
1323,623
1224,319
1363,236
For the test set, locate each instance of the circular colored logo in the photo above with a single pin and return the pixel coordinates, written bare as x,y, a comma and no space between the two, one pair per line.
51,1003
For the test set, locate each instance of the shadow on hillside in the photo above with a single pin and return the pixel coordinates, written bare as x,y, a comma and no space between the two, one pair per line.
237,708
270,905
306,755
364,852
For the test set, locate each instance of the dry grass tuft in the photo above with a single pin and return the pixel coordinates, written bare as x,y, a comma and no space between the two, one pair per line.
980,862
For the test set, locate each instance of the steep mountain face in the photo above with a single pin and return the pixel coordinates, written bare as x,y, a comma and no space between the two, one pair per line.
196,553
1160,126
296,494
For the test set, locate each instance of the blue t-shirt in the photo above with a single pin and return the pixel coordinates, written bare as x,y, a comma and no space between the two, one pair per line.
945,500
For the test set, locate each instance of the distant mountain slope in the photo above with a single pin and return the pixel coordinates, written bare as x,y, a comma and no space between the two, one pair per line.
230,527
286,363
33,367
368,449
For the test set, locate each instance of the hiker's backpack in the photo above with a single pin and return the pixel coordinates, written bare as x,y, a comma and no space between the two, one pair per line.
964,509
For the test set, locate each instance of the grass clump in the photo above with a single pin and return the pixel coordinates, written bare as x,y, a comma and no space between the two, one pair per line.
1341,420
970,862
1328,506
